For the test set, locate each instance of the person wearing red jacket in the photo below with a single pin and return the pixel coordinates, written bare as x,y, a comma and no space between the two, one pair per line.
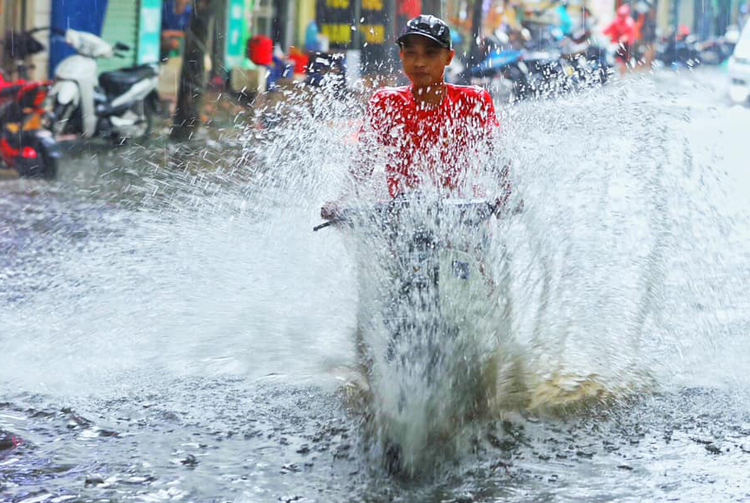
622,32
430,128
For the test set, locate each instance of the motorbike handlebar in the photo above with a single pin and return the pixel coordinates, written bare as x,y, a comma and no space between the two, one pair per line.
482,208
325,224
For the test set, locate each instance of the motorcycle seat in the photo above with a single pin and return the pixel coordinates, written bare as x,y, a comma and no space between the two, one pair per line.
118,81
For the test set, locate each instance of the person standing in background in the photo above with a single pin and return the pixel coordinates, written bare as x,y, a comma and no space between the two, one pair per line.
648,36
622,32
563,18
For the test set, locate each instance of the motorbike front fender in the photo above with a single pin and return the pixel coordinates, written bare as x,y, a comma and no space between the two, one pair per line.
65,91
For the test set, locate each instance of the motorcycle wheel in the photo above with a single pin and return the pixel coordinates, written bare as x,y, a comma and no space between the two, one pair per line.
141,129
63,114
538,86
49,161
521,88
603,71
44,165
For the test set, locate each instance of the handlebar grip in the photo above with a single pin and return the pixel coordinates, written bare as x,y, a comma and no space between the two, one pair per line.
323,225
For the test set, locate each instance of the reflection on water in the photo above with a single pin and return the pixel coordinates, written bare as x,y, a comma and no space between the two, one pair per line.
181,333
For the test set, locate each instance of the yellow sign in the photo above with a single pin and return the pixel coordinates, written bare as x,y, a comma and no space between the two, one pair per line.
337,33
337,4
374,33
372,4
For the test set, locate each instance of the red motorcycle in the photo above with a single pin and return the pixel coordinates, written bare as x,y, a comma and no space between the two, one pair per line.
26,146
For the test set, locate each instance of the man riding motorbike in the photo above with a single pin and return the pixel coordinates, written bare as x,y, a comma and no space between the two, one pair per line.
621,31
433,131
427,293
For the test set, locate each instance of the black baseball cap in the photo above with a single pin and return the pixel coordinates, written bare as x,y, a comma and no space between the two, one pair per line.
427,26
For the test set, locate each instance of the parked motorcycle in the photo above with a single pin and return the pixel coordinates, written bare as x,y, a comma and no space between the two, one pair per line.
119,104
716,51
571,63
506,73
590,63
545,71
678,50
25,145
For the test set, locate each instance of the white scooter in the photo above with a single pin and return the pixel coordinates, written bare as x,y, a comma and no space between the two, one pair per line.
118,104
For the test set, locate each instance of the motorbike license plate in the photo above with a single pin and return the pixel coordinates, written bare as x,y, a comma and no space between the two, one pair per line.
460,269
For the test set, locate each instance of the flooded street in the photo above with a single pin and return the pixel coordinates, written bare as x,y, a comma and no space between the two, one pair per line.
182,334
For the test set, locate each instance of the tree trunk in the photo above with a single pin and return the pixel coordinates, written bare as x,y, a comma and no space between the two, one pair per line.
192,76
476,33
475,56
219,40
432,7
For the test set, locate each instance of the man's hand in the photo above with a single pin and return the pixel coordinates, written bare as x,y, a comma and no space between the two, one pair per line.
502,200
501,207
330,210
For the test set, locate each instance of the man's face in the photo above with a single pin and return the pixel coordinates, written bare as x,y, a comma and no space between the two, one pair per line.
424,61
